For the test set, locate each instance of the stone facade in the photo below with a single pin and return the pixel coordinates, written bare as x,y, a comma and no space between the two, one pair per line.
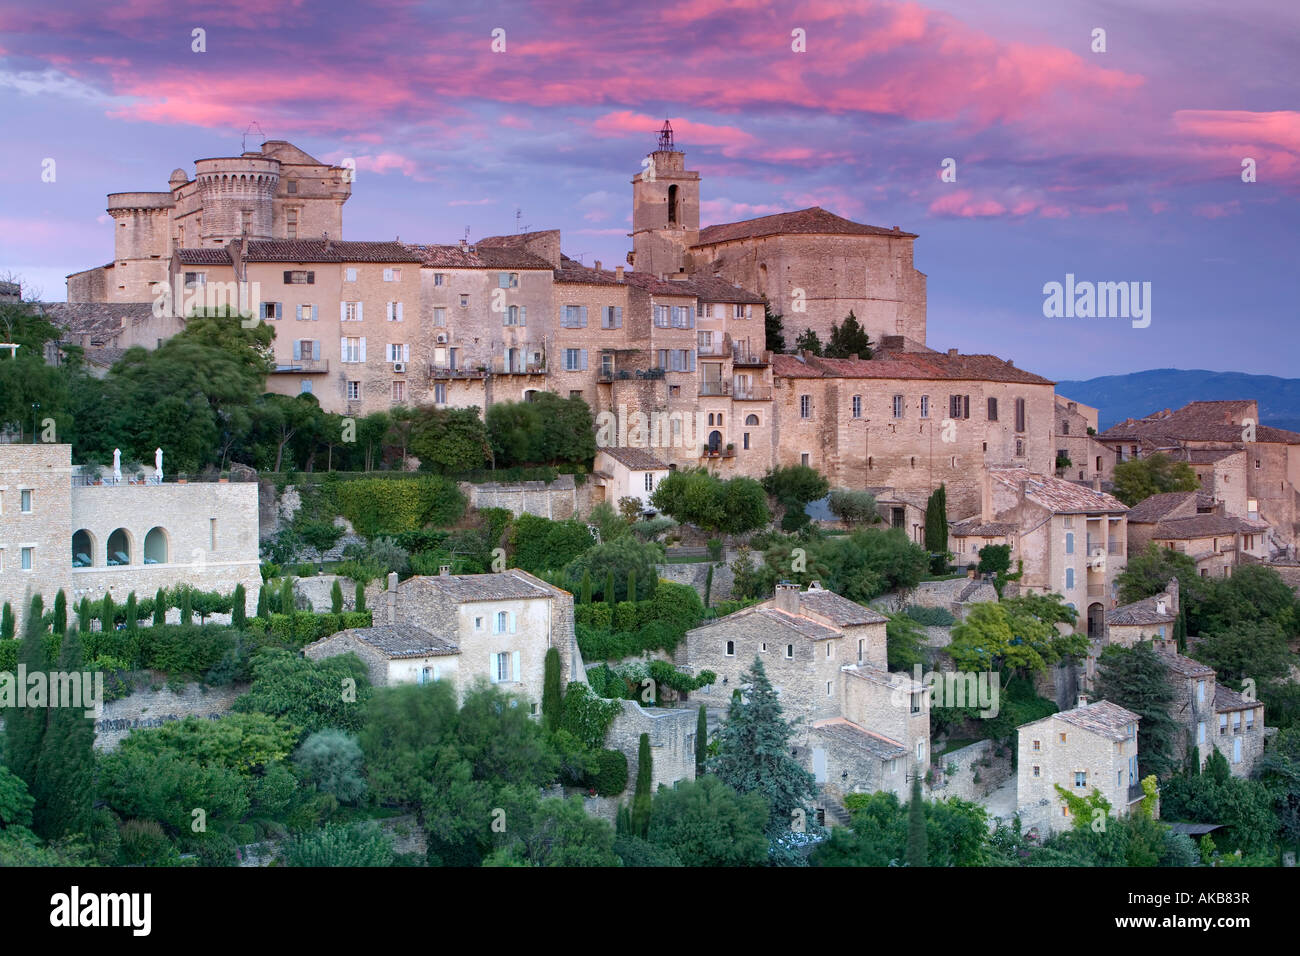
203,534
1075,432
557,500
1093,746
672,741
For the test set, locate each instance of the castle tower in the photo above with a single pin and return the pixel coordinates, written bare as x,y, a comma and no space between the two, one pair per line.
236,195
665,210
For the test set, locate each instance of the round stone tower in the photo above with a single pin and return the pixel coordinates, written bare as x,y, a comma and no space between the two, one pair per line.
236,195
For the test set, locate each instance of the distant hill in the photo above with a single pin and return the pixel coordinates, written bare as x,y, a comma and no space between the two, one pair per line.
1117,397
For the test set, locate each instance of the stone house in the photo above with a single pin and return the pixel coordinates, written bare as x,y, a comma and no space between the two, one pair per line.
1195,524
1093,746
1075,431
858,726
628,473
58,532
466,627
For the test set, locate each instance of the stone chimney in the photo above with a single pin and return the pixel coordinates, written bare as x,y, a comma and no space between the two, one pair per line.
444,570
618,273
1096,482
1172,590
952,353
464,245
391,596
598,265
1081,701
787,597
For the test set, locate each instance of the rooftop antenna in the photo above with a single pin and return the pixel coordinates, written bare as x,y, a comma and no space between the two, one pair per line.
243,142
666,138
520,226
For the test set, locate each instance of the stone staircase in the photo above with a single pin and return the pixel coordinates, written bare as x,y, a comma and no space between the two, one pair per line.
836,815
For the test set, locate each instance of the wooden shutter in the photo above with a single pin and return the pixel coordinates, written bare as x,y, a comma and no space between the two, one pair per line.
406,353
297,312
363,348
343,348
315,313
297,349
311,278
388,311
288,276
343,311
582,320
965,406
514,660
315,350
360,316
523,315
582,359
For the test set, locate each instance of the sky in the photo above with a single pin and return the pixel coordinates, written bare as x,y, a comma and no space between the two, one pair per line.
1122,164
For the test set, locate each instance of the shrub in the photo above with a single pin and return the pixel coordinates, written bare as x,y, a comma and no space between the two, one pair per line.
143,841
586,716
334,845
610,778
331,760
931,616
390,506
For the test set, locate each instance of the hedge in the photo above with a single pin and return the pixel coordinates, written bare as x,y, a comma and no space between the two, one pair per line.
586,716
377,506
610,778
304,627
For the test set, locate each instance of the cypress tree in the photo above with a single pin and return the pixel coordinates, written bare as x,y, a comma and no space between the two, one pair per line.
641,796
239,606
187,606
631,584
623,820
107,613
708,586
701,740
7,622
936,528
552,700
754,752
1137,679
336,598
84,615
25,726
286,596
917,851
610,596
585,590
160,607
132,613
361,596
65,777
60,613
263,607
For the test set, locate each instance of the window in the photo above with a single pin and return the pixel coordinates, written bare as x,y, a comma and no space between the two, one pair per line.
193,279
611,317
575,317
731,648
269,311
353,349
1020,414
1020,448
352,312
649,481
354,391
291,224
925,406
1069,542
26,559
393,310
675,360
1037,771
349,275
706,310
575,360
245,221
507,280
304,387
398,352
828,649
25,501
505,666
789,652
1062,738
1038,745
804,459
993,409
392,275
828,688
440,278
306,313
920,751
1250,721
916,703
1236,722
744,312
805,406
299,277
959,406
1080,778
1200,691
746,441
661,317
464,301
1065,428
440,317
291,187
306,350
1069,579
440,394
763,647
898,406
399,392
683,317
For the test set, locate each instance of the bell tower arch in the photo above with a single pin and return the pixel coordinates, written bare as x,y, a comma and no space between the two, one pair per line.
665,209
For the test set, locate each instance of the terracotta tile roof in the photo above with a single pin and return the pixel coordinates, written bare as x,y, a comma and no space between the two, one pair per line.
1205,526
923,366
573,271
707,288
97,319
1185,666
203,256
903,683
1152,509
1227,699
878,745
1102,717
478,257
797,623
838,610
974,528
467,588
1208,456
401,640
638,459
302,250
1200,421
1142,612
811,221
515,240
1056,494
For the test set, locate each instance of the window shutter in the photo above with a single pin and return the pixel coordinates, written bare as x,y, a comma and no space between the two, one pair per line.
288,276
279,310
359,313
315,313
583,319
343,348
399,312
343,311
298,312
582,358
406,353
363,348
388,311
311,278
965,406
691,355
692,318
618,316
315,351
514,661
297,349
523,315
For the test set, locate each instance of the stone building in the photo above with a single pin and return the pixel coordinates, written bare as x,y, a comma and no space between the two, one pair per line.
1076,442
1195,524
628,473
277,192
464,628
1199,433
59,532
1093,746
859,727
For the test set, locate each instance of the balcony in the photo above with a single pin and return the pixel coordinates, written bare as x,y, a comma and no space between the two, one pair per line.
754,393
501,367
742,359
1136,793
302,367
708,388
713,344
441,372
712,453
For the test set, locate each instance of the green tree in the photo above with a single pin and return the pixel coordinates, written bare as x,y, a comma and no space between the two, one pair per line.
160,605
306,694
187,605
808,342
754,753
361,844
1137,679
916,836
1139,478
701,739
263,604
853,507
707,823
7,622
936,528
133,611
641,800
849,340
1148,573
552,696
608,592
287,600
65,773
793,486
773,329
622,555
360,600
336,598
584,592
238,606
25,726
60,623
450,439
331,760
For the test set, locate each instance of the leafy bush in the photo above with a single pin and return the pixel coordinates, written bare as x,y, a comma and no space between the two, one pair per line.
930,616
335,845
853,507
331,760
377,506
143,842
610,778
586,716
539,544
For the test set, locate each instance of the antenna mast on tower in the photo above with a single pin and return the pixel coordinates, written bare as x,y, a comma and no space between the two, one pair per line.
243,142
666,138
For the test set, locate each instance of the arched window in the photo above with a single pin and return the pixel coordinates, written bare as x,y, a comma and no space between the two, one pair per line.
119,548
715,440
83,549
751,420
672,203
155,546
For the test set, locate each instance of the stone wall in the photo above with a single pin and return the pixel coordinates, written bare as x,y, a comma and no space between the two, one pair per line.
556,500
970,761
148,707
696,575
672,741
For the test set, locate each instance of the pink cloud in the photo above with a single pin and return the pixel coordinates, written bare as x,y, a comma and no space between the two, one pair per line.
1217,210
962,204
